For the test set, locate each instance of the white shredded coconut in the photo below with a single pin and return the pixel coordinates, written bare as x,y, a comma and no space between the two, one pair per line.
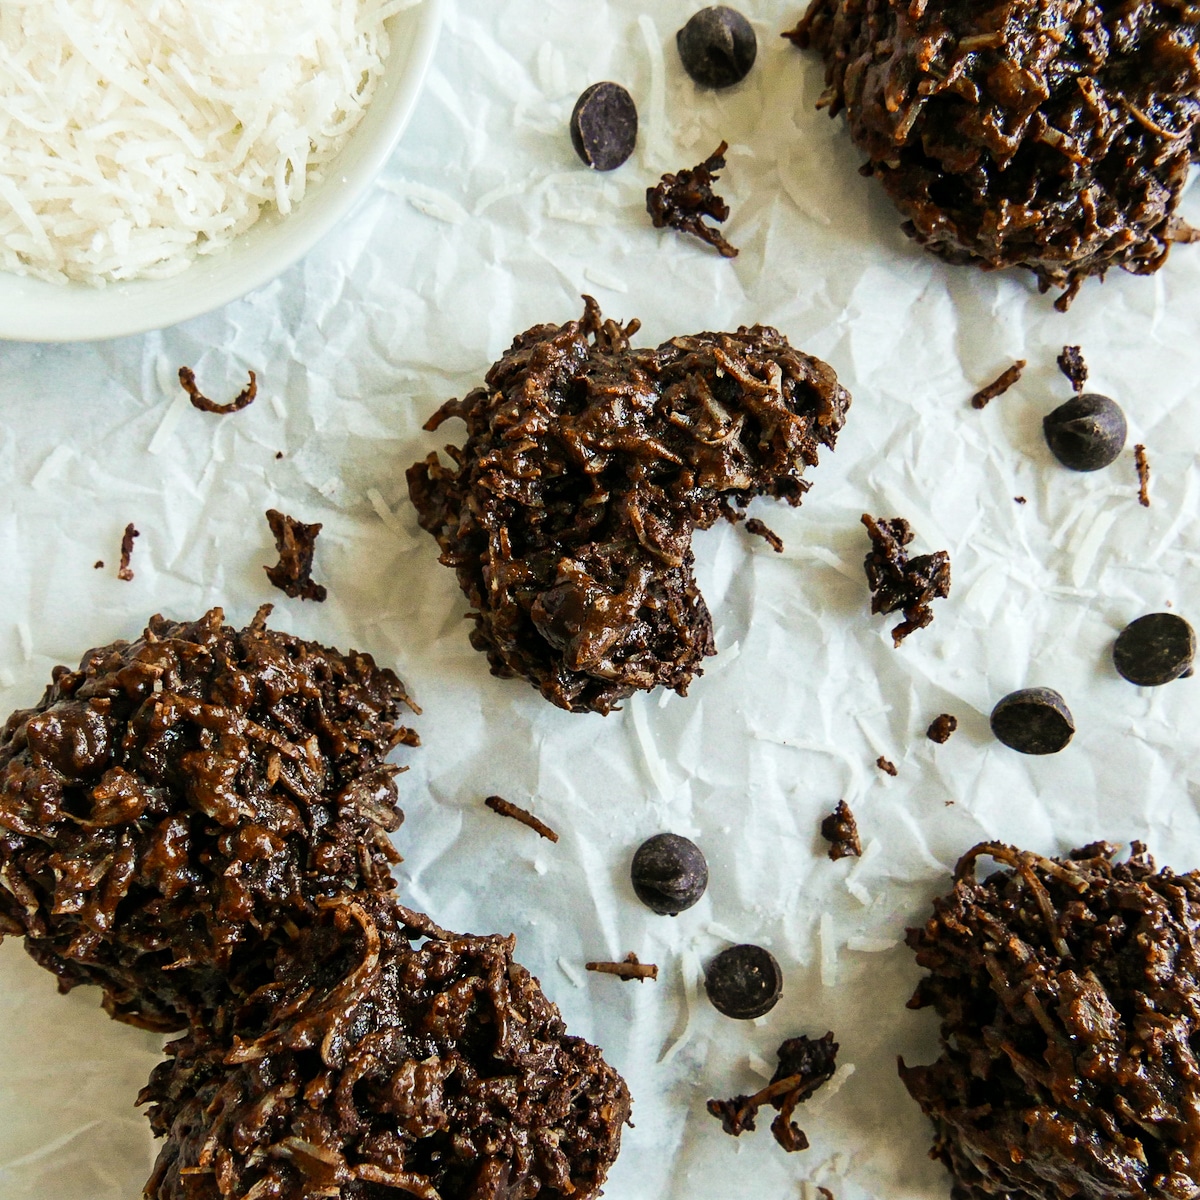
167,426
137,134
856,889
870,945
836,1082
759,1065
384,512
826,937
571,971
605,280
655,766
429,200
692,974
653,134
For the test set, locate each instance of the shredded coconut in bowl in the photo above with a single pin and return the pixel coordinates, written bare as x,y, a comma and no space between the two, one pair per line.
137,134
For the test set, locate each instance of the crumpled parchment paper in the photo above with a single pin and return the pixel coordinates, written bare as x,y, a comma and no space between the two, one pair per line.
484,223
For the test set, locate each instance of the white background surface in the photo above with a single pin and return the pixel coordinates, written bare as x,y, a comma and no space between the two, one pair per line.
483,224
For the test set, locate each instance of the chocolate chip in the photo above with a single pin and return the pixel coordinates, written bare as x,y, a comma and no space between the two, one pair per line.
717,46
1086,433
744,982
604,126
1033,721
669,873
1155,649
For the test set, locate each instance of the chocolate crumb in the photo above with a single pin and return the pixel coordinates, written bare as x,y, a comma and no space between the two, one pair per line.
1020,500
682,201
887,766
805,1064
124,571
999,385
941,728
759,529
898,582
507,809
626,970
244,398
295,543
1143,471
278,454
1071,364
840,830
98,565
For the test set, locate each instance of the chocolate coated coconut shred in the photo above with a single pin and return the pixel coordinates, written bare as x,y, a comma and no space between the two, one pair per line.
568,513
899,583
682,199
296,543
170,810
1054,136
840,830
805,1064
1069,996
387,1058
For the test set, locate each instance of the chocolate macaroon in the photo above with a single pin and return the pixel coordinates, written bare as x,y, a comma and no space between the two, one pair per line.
1054,136
171,811
568,512
1069,996
387,1056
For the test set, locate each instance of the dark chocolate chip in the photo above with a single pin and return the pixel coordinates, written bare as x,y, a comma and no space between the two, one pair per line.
1033,721
1086,433
717,46
744,982
669,873
1155,649
604,126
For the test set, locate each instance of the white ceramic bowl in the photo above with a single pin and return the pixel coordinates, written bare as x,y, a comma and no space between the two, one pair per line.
32,310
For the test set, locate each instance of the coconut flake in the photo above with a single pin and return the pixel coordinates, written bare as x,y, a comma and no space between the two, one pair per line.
655,766
837,1081
605,280
571,971
171,418
690,966
825,936
870,945
654,131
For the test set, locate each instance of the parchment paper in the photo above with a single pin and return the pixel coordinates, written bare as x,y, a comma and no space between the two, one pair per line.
483,224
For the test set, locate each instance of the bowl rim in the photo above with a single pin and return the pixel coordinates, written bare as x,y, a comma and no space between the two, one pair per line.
90,313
